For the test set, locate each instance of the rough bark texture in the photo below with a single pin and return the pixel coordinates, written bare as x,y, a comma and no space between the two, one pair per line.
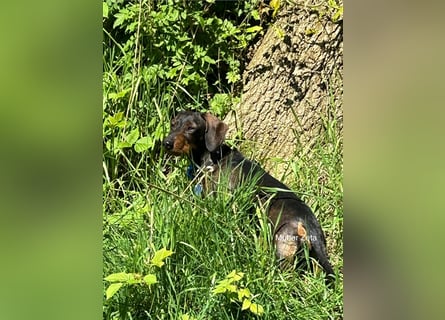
293,84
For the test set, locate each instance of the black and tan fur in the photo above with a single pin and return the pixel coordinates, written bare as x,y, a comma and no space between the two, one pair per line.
201,137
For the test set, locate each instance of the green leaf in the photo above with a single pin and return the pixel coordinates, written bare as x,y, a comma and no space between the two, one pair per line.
231,288
104,10
279,32
132,136
243,293
231,274
254,29
235,276
333,4
119,277
143,144
121,17
108,145
219,289
112,289
174,15
256,309
171,73
159,257
275,5
246,304
122,145
132,26
223,286
116,119
232,77
209,60
255,14
150,279
117,95
338,14
133,281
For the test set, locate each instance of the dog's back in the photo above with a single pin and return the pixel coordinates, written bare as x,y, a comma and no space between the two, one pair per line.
294,223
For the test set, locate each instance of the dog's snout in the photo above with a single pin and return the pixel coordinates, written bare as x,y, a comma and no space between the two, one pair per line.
168,144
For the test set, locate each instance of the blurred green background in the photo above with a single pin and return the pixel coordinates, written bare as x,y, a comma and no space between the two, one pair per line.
51,190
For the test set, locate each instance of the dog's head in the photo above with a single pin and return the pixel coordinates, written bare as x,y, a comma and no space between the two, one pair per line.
192,130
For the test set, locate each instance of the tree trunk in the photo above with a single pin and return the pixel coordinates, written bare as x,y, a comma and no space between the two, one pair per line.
292,85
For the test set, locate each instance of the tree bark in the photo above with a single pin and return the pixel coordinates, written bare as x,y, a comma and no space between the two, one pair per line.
292,86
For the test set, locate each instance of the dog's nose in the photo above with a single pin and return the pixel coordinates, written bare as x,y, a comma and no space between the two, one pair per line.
168,144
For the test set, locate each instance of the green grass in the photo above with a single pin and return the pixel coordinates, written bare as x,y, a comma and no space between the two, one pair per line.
212,236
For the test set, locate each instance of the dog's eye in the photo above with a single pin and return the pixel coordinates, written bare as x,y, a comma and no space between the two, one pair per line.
190,128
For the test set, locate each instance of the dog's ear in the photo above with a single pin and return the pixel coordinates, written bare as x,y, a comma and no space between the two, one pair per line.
215,131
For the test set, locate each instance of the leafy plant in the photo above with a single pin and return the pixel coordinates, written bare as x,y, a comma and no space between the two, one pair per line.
166,55
337,10
222,103
122,278
236,293
333,9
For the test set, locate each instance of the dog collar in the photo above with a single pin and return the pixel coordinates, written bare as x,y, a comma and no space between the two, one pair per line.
220,153
191,174
197,189
191,171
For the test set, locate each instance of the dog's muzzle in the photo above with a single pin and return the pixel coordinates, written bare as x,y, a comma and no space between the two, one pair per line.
168,143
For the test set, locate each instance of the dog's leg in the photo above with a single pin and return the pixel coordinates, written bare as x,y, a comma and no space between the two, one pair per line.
291,238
